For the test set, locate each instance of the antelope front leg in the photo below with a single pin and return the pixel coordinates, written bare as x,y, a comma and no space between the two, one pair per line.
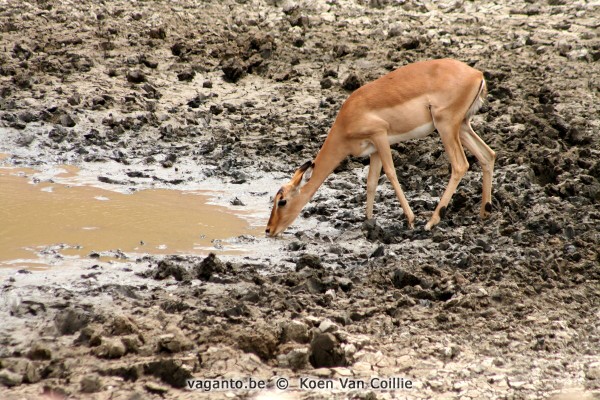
385,154
458,161
372,181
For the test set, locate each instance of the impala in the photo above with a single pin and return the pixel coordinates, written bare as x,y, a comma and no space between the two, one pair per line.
410,102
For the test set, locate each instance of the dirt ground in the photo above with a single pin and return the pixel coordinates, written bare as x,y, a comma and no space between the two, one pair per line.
508,308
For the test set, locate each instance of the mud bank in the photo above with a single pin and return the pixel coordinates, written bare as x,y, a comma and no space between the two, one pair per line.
237,95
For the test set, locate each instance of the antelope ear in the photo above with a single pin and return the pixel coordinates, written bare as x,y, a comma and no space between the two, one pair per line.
302,174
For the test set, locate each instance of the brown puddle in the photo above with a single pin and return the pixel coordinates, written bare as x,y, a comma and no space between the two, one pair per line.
87,219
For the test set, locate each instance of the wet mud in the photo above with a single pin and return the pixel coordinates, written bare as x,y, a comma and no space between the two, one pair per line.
234,96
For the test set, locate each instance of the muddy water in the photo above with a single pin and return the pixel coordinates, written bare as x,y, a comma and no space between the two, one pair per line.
81,220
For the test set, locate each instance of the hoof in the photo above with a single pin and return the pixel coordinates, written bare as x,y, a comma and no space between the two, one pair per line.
410,220
488,207
486,211
434,220
430,225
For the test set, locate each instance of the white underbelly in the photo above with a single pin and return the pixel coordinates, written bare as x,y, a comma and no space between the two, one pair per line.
419,132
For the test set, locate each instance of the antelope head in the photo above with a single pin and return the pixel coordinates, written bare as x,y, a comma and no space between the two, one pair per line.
289,200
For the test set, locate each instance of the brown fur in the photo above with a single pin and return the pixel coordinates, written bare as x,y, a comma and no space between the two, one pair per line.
441,93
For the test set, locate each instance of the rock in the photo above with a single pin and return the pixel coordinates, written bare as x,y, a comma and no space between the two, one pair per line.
374,232
410,43
132,343
21,51
340,50
39,351
167,268
75,99
579,54
237,202
58,134
261,341
197,100
149,62
150,92
52,391
129,372
179,49
122,325
101,101
233,70
157,33
174,343
563,46
29,372
362,368
136,76
573,394
155,388
24,272
516,383
237,312
344,283
90,336
308,260
352,82
170,371
110,349
22,367
401,278
112,181
328,325
27,117
216,109
593,371
312,285
9,378
330,73
239,177
349,351
22,81
296,246
325,352
296,359
21,308
25,140
186,76
209,266
326,83
378,252
71,320
294,331
90,384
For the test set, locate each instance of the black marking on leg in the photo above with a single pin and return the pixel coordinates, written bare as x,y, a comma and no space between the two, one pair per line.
306,166
488,207
442,212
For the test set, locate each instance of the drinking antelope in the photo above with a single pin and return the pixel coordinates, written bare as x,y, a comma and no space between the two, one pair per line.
410,102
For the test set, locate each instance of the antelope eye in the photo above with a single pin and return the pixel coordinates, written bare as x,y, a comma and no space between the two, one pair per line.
281,203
